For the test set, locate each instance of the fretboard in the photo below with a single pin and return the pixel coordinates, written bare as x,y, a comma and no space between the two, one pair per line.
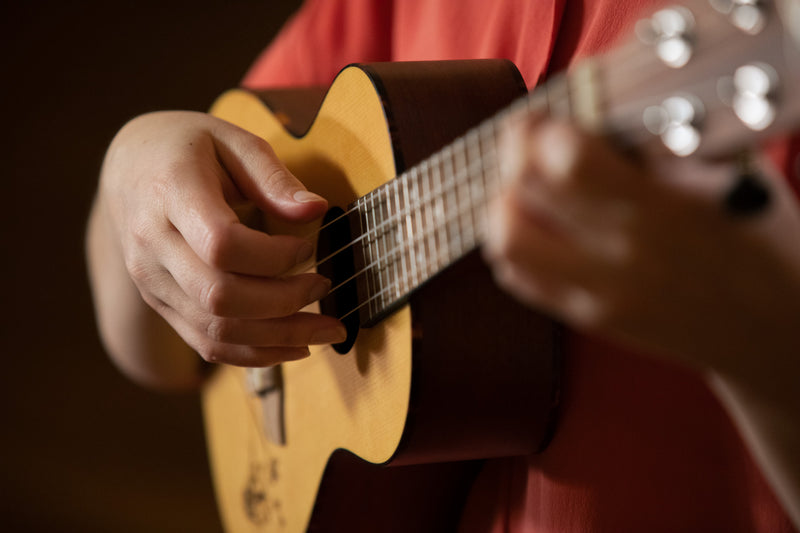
429,217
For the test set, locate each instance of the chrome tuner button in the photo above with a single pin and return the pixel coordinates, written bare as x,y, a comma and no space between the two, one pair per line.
753,100
670,31
676,121
747,15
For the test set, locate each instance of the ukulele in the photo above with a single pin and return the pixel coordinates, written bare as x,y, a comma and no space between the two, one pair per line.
440,369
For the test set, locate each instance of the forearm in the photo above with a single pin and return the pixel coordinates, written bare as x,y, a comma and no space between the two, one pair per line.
138,340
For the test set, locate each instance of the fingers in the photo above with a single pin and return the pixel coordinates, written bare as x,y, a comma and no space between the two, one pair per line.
215,351
567,220
235,340
262,177
235,295
573,179
540,265
196,206
223,286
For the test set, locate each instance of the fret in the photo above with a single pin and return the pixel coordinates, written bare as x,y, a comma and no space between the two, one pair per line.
429,213
390,265
451,206
377,259
396,240
380,241
420,253
491,177
401,246
462,191
372,237
440,217
369,282
409,207
387,247
475,183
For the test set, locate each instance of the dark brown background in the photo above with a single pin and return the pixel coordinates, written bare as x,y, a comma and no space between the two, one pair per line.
82,449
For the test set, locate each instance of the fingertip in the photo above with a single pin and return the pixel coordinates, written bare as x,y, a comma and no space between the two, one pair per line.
306,206
304,197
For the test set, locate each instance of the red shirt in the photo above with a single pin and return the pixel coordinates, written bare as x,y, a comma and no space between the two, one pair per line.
641,445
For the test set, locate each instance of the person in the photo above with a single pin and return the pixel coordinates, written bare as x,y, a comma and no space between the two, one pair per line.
681,407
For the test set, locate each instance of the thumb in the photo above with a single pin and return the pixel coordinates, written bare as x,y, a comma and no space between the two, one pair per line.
262,178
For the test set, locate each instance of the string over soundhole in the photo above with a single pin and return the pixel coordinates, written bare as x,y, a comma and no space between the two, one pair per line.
335,261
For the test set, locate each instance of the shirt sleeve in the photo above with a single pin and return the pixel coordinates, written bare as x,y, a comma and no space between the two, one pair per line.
320,39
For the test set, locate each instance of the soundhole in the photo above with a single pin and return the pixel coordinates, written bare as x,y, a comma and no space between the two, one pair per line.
335,262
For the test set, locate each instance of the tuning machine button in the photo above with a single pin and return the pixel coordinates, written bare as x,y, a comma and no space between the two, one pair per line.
751,93
671,32
676,120
748,15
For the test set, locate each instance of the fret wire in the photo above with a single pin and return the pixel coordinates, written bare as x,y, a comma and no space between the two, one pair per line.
378,257
403,230
373,248
491,177
398,236
361,221
419,218
387,236
429,212
392,236
474,181
410,230
465,198
477,189
386,222
442,241
363,215
454,236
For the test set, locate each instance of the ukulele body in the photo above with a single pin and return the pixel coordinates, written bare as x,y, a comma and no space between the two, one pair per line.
460,372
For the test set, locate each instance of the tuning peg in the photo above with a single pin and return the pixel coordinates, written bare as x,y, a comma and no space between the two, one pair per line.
670,31
747,15
676,120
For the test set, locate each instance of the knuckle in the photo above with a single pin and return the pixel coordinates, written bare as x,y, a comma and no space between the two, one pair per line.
220,329
279,179
143,274
215,295
211,353
157,304
140,230
216,245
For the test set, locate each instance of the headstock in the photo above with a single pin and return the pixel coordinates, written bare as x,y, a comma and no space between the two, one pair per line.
708,78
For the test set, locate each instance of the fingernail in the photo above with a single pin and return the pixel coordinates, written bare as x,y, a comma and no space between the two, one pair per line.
319,290
304,253
329,335
307,196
